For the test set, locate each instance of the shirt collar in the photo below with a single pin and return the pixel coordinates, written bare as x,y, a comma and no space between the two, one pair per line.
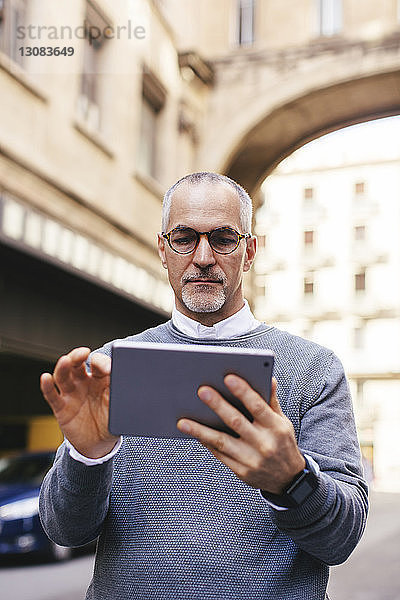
240,323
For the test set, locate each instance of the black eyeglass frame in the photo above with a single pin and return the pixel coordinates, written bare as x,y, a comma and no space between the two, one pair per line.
241,236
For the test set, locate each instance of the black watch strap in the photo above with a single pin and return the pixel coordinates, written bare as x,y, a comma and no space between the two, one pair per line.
298,490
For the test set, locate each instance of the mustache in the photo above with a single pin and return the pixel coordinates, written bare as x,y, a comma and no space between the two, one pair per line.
204,274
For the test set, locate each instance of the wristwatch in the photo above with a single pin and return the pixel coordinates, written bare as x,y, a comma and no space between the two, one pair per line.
298,490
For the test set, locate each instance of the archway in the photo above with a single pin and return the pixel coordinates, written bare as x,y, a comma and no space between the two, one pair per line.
308,117
266,104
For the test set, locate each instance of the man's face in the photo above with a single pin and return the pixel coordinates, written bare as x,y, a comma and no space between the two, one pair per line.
207,285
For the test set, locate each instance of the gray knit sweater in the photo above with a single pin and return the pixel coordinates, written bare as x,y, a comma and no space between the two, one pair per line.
176,524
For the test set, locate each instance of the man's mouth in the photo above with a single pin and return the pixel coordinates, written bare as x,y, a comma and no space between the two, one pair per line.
203,280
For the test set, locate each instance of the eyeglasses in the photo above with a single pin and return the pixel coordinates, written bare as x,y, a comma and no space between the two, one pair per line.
222,240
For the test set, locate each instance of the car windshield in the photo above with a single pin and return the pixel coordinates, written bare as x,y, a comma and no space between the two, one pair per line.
25,469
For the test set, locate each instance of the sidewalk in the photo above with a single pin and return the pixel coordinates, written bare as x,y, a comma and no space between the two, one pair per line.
373,570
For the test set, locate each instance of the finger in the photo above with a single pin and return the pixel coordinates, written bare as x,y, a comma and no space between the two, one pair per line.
99,390
218,440
62,375
50,393
71,369
274,402
235,466
100,364
254,403
230,415
78,358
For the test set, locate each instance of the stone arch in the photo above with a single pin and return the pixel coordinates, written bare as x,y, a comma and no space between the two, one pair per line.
265,106
303,119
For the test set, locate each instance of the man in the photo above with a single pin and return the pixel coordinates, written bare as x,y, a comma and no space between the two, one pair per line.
259,516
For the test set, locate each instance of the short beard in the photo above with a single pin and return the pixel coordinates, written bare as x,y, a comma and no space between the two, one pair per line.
205,298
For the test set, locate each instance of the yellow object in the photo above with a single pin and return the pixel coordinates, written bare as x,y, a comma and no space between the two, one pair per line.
43,433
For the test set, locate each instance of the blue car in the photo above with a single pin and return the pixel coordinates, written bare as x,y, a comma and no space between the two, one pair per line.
20,528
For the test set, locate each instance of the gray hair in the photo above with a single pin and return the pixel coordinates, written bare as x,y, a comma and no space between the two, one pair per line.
245,203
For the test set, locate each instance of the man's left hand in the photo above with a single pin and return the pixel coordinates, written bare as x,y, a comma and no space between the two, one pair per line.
266,455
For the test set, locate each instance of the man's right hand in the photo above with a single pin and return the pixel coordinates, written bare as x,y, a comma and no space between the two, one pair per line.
79,401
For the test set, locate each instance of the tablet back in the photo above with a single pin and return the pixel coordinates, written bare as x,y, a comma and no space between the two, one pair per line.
154,385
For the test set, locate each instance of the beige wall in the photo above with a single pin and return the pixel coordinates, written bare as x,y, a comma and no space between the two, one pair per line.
370,19
210,26
285,23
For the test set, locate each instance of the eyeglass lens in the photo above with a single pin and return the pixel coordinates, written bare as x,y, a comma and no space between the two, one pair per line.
222,240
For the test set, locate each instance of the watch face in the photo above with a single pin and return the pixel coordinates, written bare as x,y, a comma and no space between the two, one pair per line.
302,491
303,487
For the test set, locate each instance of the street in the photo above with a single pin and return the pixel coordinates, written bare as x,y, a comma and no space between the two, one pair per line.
32,580
371,573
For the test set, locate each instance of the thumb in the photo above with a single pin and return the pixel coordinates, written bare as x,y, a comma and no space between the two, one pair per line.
273,400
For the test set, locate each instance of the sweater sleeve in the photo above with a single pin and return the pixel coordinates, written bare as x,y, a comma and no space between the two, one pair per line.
74,499
331,521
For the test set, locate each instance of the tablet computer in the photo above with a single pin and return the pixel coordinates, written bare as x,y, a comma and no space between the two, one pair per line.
154,385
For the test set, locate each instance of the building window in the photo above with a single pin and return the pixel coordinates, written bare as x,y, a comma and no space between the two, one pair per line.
245,22
360,393
308,197
147,159
262,239
329,17
308,284
359,281
359,233
359,188
358,337
89,102
309,238
12,16
153,100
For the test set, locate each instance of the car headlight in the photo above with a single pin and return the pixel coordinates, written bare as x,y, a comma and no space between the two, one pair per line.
21,509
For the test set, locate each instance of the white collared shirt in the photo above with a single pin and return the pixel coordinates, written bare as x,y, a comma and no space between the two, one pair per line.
240,323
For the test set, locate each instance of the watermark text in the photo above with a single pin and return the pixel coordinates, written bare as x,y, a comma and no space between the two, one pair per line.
81,32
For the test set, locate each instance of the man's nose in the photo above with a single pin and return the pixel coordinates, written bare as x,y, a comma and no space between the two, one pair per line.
203,255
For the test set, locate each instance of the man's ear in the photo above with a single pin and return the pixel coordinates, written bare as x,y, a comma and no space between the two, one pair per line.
161,250
251,249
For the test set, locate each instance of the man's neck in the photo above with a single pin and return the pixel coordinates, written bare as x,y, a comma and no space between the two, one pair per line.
208,319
